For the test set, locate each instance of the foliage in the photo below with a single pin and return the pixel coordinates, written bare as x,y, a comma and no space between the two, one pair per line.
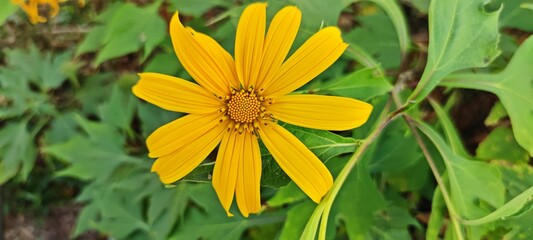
413,171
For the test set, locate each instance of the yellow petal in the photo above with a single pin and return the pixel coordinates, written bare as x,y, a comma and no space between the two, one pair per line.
227,166
312,58
223,58
174,166
249,43
300,164
178,133
278,42
175,94
321,112
196,55
249,177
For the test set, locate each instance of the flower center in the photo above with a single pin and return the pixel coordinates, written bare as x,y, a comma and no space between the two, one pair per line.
244,106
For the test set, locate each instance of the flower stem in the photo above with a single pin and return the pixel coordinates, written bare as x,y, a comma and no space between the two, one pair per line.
327,202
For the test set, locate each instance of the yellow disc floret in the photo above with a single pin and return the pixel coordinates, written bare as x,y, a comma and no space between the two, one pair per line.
244,106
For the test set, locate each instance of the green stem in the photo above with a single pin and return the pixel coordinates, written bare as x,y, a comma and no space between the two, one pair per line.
440,182
327,202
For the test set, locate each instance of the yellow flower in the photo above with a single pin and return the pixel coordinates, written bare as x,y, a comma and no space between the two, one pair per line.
31,8
238,102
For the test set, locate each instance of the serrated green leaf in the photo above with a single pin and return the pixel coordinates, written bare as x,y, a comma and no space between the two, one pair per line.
363,84
119,110
62,128
213,223
323,144
125,29
500,144
42,68
17,151
514,87
470,181
462,35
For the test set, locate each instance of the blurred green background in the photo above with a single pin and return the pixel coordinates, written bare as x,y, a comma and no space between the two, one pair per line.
73,163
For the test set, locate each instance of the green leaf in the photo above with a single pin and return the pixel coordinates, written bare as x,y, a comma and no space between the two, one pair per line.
438,209
378,26
496,114
516,15
462,35
94,90
297,217
8,9
470,181
44,69
500,144
362,84
164,63
211,222
421,5
357,202
125,29
153,117
197,8
62,128
286,195
512,207
17,151
323,144
119,110
450,131
393,9
514,87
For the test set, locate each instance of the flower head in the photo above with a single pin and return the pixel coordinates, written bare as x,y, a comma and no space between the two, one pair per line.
31,8
238,101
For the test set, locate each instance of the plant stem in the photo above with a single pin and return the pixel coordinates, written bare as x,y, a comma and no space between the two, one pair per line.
440,182
327,202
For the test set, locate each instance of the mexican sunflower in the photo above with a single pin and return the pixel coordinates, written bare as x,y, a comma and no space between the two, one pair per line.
31,8
238,101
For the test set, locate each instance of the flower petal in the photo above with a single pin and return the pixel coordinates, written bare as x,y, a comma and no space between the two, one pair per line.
178,133
278,42
196,54
224,59
249,177
226,169
312,58
175,94
249,43
300,164
174,166
321,112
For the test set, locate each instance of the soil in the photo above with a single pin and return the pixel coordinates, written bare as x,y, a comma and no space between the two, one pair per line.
58,224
